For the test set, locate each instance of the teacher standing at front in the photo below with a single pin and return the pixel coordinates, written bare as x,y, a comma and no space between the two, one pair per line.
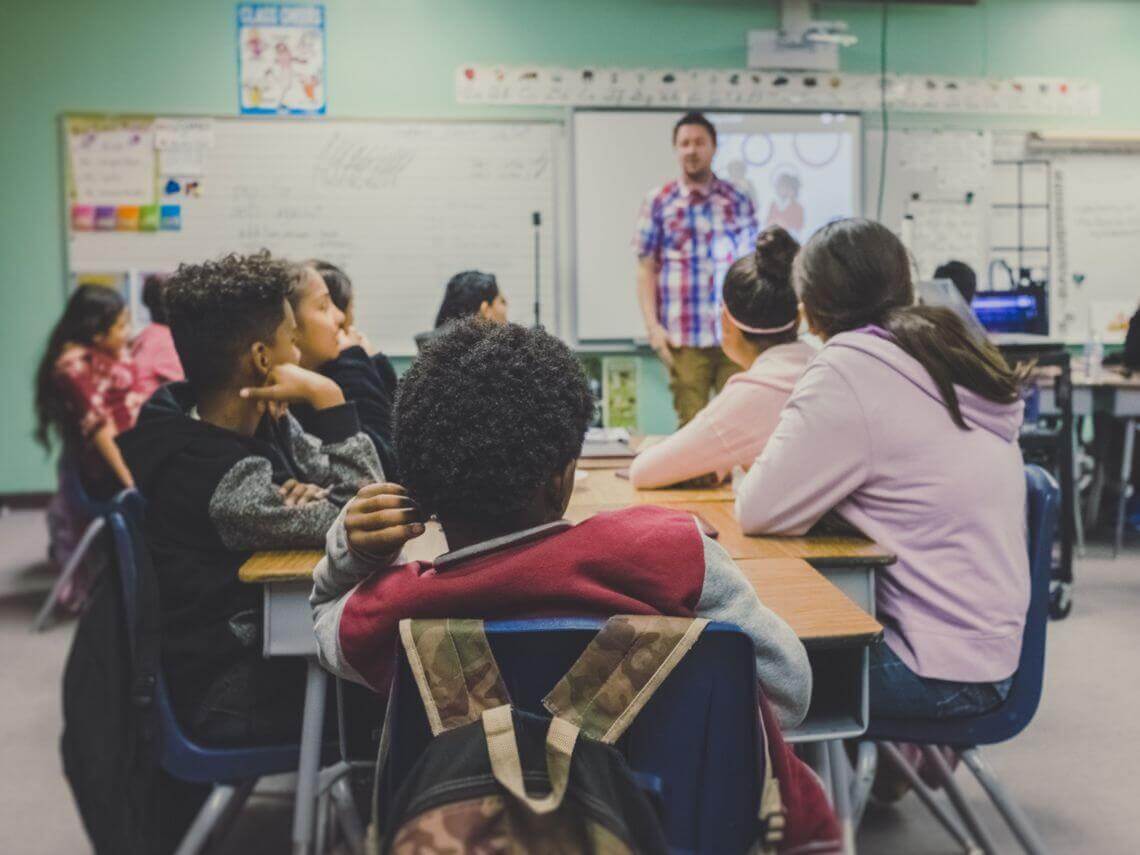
688,234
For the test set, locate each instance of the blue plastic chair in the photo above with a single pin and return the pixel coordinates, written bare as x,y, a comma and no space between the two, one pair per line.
1043,500
698,737
71,486
232,771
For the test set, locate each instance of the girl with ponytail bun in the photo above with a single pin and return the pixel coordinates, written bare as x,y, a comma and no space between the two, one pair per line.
760,322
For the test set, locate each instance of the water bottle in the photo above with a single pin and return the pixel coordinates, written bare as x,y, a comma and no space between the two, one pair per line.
1096,359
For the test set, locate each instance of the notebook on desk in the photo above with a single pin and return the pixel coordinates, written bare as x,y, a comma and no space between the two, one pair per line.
607,442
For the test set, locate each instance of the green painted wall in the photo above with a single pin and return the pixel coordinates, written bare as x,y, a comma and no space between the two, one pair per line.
397,59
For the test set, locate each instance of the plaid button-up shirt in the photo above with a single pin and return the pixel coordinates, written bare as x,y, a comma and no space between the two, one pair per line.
694,235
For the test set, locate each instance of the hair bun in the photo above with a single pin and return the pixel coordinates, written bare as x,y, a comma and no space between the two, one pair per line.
775,250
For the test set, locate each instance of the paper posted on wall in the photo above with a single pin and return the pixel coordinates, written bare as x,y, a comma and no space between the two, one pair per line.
281,58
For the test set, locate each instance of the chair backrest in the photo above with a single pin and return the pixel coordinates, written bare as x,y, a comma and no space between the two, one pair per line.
72,487
699,734
1042,506
177,753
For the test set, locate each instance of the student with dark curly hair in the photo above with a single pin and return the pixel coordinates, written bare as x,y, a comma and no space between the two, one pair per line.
489,426
226,470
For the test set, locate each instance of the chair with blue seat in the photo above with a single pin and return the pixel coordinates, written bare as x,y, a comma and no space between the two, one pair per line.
695,746
233,772
964,735
78,499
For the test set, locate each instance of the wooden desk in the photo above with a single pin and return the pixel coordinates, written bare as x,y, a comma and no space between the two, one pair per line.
603,488
815,609
818,612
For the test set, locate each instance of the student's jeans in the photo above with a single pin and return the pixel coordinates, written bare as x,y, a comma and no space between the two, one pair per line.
897,692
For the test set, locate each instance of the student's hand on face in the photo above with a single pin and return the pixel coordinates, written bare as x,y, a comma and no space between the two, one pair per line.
380,520
298,494
291,384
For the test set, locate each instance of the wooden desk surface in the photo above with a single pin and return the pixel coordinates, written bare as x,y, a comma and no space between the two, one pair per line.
815,609
833,550
603,488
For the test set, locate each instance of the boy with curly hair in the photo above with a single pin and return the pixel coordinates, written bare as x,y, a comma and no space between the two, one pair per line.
226,471
489,423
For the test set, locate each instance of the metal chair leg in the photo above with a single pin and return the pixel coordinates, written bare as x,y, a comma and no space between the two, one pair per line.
927,797
866,763
223,802
1125,484
1007,807
43,617
933,755
347,818
841,791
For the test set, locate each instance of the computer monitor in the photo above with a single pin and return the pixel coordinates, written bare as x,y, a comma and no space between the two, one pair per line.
1019,310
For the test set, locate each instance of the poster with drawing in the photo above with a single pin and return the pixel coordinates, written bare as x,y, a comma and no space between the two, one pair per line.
281,58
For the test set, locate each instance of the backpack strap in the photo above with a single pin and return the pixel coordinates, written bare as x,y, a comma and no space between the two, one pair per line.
506,766
454,669
772,814
619,671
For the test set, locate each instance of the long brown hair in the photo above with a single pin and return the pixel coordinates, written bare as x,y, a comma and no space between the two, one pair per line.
91,310
854,273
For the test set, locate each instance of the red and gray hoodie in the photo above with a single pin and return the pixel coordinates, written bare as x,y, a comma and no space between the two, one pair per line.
642,560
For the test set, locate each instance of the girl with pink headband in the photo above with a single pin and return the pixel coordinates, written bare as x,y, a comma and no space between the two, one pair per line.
760,321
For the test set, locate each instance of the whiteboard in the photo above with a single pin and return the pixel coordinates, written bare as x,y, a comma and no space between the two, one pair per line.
1097,225
620,156
400,205
940,178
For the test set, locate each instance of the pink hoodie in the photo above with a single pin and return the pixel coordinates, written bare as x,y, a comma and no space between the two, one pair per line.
733,428
865,432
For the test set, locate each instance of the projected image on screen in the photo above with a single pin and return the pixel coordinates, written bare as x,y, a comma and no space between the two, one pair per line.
798,180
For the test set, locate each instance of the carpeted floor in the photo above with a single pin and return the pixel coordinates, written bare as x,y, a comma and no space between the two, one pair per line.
1070,769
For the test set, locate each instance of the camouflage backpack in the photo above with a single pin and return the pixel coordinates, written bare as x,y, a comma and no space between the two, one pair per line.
499,780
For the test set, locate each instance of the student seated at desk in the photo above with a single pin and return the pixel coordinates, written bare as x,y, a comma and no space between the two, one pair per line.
343,296
222,478
326,348
467,294
963,277
908,428
87,392
489,426
760,318
156,360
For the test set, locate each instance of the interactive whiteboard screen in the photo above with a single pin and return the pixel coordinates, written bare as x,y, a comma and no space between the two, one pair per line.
801,170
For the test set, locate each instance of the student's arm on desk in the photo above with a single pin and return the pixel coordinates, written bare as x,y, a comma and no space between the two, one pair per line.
249,512
390,524
781,661
818,455
337,455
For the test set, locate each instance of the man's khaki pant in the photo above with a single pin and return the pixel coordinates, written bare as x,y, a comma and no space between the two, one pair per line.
696,372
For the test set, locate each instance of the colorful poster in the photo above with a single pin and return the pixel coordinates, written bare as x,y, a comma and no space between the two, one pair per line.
281,58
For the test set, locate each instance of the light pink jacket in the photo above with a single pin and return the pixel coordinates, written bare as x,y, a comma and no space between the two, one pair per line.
156,360
865,432
733,428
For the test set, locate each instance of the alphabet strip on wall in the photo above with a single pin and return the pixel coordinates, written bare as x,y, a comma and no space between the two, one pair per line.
788,90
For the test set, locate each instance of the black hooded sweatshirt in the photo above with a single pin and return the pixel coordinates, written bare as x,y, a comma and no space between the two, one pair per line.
212,500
